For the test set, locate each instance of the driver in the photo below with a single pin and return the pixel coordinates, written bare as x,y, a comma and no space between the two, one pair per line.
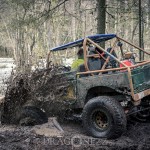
79,61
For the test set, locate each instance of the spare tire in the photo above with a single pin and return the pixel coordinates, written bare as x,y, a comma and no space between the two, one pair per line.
104,117
31,115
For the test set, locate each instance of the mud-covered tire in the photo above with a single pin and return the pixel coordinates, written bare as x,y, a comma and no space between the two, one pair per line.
106,108
31,115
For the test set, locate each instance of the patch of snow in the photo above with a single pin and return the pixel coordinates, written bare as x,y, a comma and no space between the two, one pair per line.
6,66
68,61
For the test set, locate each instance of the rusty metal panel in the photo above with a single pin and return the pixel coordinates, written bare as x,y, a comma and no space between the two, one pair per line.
140,95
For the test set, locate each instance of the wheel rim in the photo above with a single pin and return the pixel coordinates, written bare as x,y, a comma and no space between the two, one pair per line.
100,120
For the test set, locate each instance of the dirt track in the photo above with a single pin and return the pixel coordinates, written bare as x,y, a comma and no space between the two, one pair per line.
73,137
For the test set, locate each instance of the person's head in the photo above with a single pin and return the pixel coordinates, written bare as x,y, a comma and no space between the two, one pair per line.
80,53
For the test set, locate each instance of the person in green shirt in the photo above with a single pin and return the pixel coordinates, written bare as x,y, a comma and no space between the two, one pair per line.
79,61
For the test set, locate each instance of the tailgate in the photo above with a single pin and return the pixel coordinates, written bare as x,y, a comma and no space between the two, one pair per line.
141,78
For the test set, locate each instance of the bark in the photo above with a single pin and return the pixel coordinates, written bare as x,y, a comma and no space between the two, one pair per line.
101,18
149,10
141,31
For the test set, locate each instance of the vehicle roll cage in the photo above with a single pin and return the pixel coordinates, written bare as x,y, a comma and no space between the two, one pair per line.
88,41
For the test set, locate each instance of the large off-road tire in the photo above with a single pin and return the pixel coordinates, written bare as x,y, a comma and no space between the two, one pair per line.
104,117
31,115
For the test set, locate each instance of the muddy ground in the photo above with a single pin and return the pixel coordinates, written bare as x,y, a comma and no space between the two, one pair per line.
71,136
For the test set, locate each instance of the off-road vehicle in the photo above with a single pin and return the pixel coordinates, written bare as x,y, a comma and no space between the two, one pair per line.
107,88
110,86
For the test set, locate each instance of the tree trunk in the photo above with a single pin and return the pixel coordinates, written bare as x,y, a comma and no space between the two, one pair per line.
149,10
141,42
101,17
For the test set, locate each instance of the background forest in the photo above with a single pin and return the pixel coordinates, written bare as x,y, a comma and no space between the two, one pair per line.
29,28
